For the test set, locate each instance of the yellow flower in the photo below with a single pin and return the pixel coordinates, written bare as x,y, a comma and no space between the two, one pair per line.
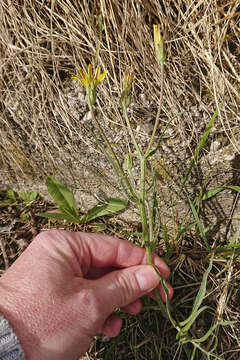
159,45
90,82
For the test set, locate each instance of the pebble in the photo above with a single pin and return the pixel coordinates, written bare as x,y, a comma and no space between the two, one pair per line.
215,145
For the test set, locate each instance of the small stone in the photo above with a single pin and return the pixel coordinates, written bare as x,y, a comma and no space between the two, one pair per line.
148,128
87,117
229,157
215,145
143,97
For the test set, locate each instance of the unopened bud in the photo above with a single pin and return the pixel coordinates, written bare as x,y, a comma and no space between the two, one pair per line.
159,45
127,89
128,161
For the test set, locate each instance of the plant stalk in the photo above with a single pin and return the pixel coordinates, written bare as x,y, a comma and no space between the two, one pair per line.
131,131
158,113
114,156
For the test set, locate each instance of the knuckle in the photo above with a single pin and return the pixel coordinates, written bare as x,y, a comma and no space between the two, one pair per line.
90,304
128,286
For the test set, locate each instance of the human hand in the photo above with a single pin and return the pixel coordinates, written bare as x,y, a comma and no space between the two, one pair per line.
65,286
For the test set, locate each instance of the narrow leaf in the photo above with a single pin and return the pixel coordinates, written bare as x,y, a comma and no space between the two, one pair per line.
58,216
215,191
227,248
11,194
69,212
185,229
199,148
193,318
113,164
200,295
33,196
199,224
27,196
165,289
110,207
210,331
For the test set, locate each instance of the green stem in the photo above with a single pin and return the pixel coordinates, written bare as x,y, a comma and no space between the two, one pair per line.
158,114
114,156
145,227
131,131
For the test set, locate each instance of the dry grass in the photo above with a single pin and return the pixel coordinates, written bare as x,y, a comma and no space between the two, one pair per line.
42,41
43,118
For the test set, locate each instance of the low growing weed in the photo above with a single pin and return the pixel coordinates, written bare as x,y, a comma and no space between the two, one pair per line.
142,193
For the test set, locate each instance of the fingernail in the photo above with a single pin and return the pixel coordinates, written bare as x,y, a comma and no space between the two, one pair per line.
147,278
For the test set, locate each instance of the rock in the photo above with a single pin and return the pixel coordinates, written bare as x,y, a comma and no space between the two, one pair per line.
215,146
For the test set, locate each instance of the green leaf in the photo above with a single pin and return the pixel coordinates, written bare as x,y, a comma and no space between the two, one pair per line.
209,354
69,212
98,227
110,207
185,229
128,161
165,289
8,201
198,222
199,148
230,248
113,164
200,295
62,196
215,191
11,194
33,196
27,196
210,331
155,209
166,240
193,318
226,248
58,216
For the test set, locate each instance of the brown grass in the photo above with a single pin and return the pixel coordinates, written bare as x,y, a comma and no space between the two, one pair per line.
42,41
43,116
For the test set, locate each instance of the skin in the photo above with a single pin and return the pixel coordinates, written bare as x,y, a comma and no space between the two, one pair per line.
64,288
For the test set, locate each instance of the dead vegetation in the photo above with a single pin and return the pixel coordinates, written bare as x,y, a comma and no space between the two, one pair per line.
42,109
44,116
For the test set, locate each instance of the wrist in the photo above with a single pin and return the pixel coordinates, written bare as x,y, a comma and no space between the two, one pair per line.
10,347
15,312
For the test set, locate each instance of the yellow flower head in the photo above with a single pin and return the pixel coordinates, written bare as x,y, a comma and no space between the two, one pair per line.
90,81
159,45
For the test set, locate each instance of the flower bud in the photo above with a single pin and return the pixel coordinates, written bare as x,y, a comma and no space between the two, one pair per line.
128,161
159,45
127,81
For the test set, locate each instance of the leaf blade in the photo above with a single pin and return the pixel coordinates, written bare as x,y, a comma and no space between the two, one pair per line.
110,206
62,195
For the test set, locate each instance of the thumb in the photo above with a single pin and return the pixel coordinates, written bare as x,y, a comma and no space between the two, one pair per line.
121,287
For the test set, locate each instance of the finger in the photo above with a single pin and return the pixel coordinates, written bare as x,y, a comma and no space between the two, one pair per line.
106,251
82,251
112,326
133,308
122,287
